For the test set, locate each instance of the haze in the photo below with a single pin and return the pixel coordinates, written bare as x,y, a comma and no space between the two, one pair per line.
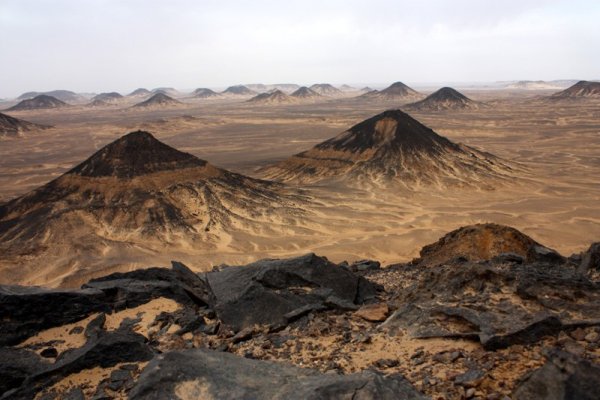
113,45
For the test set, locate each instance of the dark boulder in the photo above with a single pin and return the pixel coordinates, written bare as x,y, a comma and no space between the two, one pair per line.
269,292
483,242
564,376
130,289
16,365
206,374
28,310
497,305
105,349
590,259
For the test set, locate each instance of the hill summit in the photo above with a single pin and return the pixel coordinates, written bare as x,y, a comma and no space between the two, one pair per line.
158,100
274,97
392,146
582,89
42,101
135,154
445,98
396,91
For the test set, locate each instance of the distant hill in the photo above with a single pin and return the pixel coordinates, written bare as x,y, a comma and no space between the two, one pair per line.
580,90
533,85
111,97
159,100
42,101
325,89
169,91
238,90
141,92
445,98
397,91
261,87
62,95
12,127
306,93
274,97
204,93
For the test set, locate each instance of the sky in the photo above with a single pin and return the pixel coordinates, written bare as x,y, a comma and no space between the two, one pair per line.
110,45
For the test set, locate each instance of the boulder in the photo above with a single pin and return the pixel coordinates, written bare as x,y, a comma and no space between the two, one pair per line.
482,242
564,376
206,374
590,259
497,305
272,292
26,311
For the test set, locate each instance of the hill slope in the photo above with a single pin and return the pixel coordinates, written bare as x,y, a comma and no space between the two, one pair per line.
10,126
582,89
131,197
393,146
39,102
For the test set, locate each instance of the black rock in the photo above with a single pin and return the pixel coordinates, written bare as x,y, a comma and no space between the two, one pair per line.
197,373
564,376
105,350
590,259
49,352
28,310
270,292
16,365
497,305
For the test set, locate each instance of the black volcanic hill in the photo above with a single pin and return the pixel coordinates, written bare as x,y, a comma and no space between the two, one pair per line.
158,100
582,89
131,199
325,89
62,95
396,91
10,126
305,93
445,98
274,97
238,90
135,154
109,97
140,92
39,102
393,146
204,93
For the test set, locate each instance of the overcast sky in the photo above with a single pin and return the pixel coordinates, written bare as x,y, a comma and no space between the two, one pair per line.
110,45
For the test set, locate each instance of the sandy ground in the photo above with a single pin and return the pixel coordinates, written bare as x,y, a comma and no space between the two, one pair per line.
556,201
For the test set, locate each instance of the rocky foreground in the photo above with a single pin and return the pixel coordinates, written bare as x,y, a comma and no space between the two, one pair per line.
485,313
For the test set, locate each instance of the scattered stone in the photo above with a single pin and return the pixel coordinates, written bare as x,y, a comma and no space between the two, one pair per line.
373,312
49,352
470,379
564,376
385,363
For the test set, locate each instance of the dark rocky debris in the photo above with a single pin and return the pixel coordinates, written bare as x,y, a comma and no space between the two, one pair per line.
515,323
287,288
215,375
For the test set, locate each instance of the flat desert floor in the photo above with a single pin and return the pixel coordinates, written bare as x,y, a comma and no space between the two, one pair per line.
556,199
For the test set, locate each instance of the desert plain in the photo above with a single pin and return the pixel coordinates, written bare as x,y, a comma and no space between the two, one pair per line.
554,197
